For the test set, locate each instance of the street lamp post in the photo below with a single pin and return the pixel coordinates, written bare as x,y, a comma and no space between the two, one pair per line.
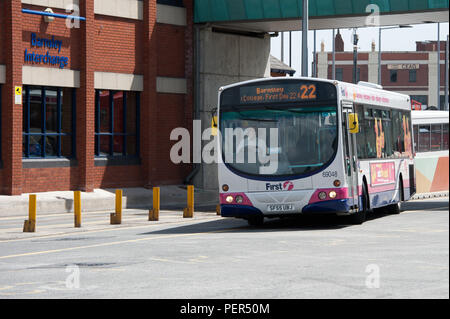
305,27
379,46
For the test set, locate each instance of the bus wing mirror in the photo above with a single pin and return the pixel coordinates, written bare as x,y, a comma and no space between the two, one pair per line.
353,123
214,126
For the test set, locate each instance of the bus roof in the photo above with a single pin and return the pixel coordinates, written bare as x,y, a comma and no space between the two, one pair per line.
429,117
356,93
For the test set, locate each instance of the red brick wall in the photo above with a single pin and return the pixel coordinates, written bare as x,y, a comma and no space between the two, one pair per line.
38,179
2,30
11,125
171,50
117,176
169,118
118,45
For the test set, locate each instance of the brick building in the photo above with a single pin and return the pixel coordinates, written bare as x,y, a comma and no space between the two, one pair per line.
413,73
92,105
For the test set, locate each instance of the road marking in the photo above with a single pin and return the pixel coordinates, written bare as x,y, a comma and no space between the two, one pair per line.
110,244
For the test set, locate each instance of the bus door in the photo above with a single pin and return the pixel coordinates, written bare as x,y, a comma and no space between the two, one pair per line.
350,156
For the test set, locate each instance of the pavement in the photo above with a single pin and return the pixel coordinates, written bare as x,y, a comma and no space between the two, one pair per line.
172,197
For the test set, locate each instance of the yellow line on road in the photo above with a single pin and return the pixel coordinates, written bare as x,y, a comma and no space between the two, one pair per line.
109,244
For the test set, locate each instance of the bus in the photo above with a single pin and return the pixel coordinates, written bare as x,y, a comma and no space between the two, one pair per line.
336,148
432,154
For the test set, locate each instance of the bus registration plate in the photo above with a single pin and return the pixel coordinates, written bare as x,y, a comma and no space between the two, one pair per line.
280,208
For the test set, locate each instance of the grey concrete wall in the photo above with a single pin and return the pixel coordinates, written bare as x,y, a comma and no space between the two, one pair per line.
226,59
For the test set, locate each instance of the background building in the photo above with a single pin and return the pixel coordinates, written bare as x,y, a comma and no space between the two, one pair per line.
413,73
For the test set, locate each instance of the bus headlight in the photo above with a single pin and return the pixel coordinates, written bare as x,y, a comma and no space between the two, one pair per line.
229,199
332,194
239,199
322,195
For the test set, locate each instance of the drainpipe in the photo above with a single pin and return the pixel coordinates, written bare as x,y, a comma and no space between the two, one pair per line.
196,166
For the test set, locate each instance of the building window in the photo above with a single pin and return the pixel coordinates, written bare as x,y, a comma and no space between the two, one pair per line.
117,123
393,75
48,122
412,75
340,74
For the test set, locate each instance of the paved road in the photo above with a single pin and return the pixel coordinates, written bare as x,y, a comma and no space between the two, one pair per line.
390,256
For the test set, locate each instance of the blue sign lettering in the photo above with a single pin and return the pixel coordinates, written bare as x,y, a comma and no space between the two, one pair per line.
47,58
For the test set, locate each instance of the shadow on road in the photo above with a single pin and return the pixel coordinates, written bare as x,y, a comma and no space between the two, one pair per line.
300,223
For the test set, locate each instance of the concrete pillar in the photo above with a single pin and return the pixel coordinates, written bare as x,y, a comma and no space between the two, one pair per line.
85,116
322,65
11,112
373,67
432,78
226,59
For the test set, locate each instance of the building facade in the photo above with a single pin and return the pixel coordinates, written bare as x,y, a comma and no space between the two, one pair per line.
413,73
90,101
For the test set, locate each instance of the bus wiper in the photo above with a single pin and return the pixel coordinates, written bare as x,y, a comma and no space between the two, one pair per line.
258,120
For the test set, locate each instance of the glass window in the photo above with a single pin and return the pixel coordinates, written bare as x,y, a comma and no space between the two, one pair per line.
424,138
412,75
436,137
361,136
416,137
339,74
393,75
48,122
445,137
116,124
306,139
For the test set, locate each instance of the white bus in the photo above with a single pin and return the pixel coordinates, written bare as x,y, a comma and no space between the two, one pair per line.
338,148
432,154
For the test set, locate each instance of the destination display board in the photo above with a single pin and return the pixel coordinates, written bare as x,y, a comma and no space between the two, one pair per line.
276,92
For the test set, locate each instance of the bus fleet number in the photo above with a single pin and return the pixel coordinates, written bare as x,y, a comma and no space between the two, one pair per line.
330,174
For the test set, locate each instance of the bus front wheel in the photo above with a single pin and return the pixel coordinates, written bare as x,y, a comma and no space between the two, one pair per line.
255,220
361,216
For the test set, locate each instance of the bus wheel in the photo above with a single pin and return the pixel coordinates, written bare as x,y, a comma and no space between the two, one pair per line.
255,220
361,216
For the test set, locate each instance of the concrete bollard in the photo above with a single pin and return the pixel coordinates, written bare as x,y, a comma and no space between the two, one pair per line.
30,224
77,208
116,218
153,214
188,212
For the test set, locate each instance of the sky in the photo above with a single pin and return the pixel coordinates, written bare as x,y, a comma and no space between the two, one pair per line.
392,40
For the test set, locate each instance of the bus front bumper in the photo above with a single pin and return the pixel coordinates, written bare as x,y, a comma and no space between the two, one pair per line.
338,206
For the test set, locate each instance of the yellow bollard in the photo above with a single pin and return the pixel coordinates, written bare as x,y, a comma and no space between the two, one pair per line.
218,210
153,214
188,212
116,218
30,224
77,208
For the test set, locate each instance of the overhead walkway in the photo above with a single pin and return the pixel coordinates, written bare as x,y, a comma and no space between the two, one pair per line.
285,15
